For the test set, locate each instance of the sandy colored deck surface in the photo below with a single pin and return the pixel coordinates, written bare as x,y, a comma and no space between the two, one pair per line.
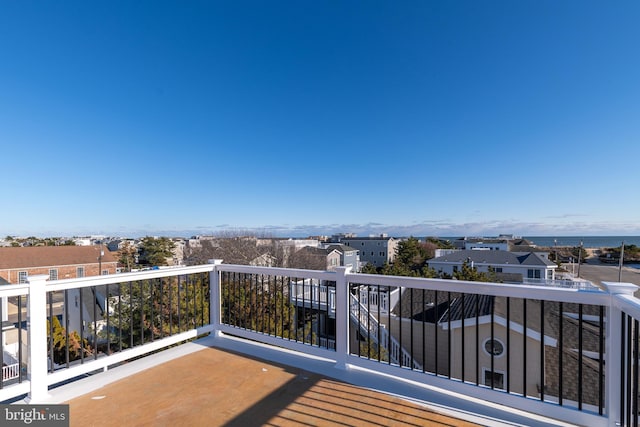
214,387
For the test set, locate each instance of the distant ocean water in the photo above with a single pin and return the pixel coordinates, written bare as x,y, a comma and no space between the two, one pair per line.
587,241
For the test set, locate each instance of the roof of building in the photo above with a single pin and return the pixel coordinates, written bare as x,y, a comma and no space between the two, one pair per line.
467,306
342,239
495,258
45,256
341,248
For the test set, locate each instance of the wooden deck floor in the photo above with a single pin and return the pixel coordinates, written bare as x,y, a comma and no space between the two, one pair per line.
214,387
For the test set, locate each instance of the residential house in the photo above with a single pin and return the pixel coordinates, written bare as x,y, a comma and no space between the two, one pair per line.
58,262
529,266
461,322
376,250
348,256
313,258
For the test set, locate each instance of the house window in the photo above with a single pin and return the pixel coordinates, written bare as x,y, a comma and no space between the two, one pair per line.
533,274
22,277
381,253
53,274
493,347
80,272
105,272
498,270
455,268
497,377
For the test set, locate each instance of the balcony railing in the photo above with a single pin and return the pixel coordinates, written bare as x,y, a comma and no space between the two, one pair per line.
566,353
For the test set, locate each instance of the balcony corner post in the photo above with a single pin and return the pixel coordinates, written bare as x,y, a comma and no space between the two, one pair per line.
342,317
215,301
37,333
613,344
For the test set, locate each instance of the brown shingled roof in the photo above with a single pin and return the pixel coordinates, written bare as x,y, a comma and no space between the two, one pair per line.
44,256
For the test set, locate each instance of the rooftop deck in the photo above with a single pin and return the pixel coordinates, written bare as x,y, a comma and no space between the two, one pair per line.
231,382
215,387
238,345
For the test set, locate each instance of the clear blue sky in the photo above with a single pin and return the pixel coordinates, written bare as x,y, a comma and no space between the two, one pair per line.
293,118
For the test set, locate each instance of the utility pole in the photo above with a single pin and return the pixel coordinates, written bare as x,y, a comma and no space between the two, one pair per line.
579,257
100,254
621,262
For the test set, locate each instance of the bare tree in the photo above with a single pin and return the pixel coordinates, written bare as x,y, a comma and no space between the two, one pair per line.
235,248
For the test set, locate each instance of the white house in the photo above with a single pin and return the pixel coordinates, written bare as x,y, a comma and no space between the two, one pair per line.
530,265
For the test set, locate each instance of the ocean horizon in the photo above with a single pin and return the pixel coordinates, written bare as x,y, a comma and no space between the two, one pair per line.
587,241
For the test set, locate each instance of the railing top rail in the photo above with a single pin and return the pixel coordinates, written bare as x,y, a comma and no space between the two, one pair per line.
584,296
60,285
277,271
627,303
14,290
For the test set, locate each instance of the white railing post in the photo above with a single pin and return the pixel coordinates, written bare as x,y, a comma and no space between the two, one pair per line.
214,296
343,311
37,333
613,344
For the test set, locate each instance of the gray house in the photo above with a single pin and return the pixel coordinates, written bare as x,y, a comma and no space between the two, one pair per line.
348,256
527,265
373,250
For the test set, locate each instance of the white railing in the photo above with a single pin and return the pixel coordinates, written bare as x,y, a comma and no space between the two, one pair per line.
10,372
616,299
309,292
376,300
370,327
561,283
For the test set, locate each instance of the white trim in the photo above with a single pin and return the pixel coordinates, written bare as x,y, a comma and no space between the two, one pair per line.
499,320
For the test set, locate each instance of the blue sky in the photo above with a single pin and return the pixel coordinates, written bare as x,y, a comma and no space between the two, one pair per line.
293,118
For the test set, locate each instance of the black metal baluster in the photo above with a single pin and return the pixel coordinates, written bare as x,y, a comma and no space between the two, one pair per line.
119,316
179,303
424,328
142,283
601,363
170,285
368,323
508,385
449,335
130,315
634,396
410,361
493,341
560,353
161,307
399,335
108,323
81,329
94,294
524,347
51,355
437,320
580,351
629,368
542,350
477,298
204,286
66,326
462,353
